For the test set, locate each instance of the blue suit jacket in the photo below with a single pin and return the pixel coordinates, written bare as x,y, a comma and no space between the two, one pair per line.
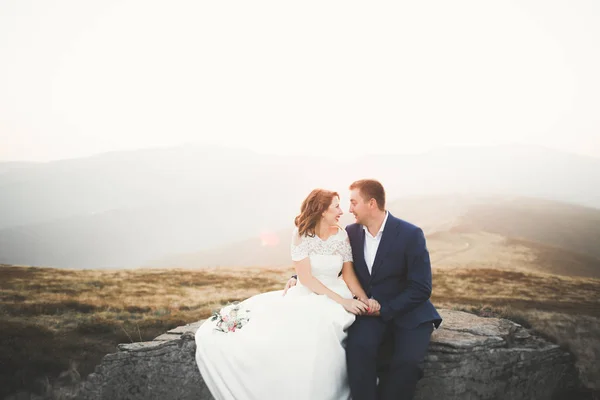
401,275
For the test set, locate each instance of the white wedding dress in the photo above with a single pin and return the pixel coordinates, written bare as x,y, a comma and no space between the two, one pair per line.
293,345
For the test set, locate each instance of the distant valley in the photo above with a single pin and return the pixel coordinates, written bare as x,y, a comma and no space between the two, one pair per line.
521,234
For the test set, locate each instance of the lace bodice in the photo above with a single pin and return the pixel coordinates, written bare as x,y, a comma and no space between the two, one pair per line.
306,246
326,256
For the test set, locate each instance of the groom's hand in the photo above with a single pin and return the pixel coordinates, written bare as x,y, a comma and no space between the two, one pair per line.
290,283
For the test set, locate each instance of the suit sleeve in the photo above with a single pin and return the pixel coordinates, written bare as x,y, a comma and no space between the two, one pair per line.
418,288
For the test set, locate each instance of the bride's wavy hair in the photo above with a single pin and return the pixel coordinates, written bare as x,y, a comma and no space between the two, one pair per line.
312,207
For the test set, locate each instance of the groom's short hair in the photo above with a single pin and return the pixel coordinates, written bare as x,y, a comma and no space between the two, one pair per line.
370,189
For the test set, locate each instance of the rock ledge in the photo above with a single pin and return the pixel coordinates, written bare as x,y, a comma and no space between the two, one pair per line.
470,358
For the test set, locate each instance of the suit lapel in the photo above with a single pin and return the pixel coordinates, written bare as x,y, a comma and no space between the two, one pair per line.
387,239
361,263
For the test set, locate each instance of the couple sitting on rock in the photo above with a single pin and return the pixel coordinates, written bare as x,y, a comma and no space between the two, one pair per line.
360,293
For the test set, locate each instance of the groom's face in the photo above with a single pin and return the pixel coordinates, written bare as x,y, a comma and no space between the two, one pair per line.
358,206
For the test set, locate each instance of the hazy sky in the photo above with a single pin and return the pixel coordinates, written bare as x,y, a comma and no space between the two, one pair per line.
323,77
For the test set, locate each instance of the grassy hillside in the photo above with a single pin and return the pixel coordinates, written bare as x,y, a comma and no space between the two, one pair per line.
562,225
52,320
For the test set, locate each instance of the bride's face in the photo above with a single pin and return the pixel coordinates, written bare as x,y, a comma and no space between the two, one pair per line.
332,215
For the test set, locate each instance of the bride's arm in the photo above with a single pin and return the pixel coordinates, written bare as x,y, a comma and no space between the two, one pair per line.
349,276
305,276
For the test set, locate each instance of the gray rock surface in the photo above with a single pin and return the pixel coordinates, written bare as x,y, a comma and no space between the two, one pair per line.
489,358
469,358
164,368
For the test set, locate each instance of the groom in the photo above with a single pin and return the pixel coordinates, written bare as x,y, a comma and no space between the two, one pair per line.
392,264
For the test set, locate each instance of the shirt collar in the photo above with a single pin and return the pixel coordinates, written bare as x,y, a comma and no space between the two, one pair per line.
382,225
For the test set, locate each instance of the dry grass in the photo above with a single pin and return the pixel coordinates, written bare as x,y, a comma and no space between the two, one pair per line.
51,318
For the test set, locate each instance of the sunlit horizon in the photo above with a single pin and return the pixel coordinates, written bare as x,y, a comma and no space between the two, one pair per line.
335,156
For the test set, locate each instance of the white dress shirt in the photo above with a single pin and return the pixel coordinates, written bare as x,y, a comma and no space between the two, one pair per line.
372,243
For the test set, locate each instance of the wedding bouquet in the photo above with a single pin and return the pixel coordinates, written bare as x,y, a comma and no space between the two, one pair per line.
230,318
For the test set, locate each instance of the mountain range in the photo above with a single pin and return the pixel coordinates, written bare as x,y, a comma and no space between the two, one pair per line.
134,208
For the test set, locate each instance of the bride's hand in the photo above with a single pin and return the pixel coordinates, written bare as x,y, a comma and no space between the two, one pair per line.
290,283
374,306
355,307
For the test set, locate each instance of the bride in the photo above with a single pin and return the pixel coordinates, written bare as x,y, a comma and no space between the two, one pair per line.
293,345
